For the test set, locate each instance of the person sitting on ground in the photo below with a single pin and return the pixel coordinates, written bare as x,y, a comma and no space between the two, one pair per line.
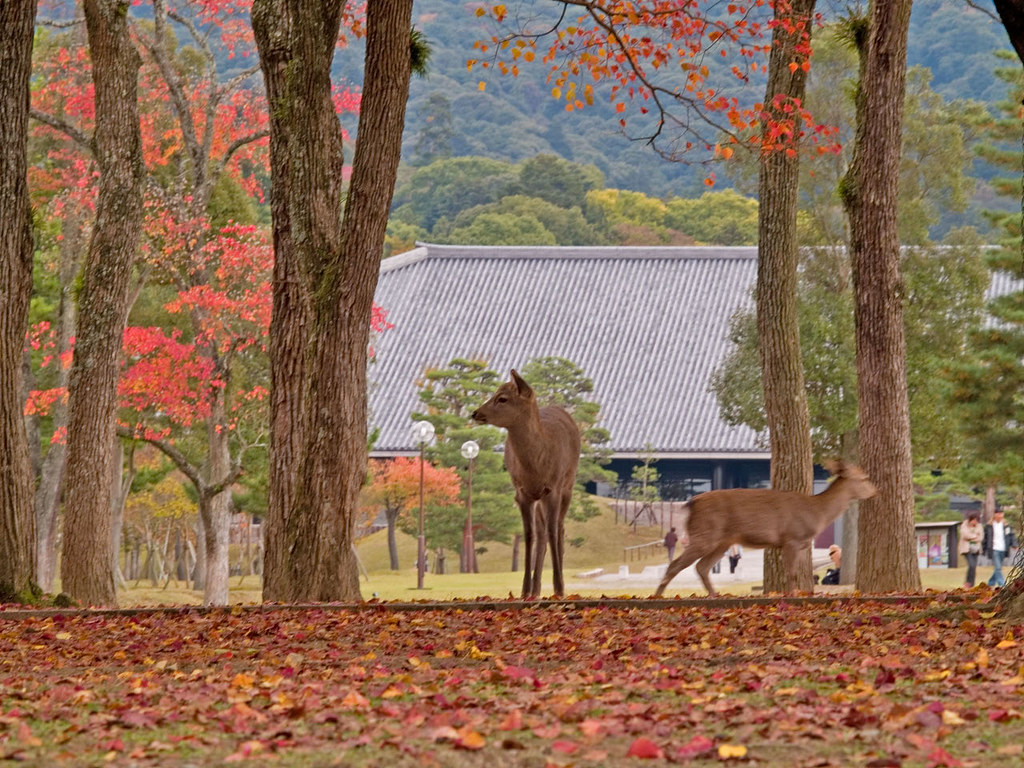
832,574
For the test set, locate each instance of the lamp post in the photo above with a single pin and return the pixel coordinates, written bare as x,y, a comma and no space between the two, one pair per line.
422,433
469,452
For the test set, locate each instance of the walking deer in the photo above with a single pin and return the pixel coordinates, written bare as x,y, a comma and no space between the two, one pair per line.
759,518
542,451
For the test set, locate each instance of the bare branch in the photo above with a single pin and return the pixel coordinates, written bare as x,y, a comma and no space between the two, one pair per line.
67,129
59,23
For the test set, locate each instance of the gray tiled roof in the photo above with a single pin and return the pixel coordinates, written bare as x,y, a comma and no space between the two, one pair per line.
647,325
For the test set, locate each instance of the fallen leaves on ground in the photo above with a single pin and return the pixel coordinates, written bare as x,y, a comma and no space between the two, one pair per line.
853,682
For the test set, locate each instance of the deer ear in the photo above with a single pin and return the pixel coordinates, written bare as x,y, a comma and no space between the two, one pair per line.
833,466
521,385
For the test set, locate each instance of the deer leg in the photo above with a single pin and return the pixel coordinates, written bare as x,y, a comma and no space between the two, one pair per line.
707,563
540,546
526,509
552,511
689,556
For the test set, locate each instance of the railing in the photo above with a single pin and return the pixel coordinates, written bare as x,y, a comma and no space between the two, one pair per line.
640,551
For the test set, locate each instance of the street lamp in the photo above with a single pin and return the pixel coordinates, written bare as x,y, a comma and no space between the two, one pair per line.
469,451
422,433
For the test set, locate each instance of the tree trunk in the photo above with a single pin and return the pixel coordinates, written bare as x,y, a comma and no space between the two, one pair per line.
887,549
17,529
792,467
338,263
289,322
217,512
392,518
51,475
103,304
1012,15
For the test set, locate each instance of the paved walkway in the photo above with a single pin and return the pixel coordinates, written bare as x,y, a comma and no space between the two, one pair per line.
645,576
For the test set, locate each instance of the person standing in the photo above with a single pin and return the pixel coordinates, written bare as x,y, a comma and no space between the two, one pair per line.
734,557
999,539
971,536
671,539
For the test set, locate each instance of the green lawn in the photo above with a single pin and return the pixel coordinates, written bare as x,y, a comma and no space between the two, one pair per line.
601,544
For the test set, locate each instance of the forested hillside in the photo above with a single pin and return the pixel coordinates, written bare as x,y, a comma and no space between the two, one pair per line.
513,119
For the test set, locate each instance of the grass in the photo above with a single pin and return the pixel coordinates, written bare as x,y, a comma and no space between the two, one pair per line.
603,546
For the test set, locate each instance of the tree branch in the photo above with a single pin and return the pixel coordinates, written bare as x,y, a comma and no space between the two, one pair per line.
67,129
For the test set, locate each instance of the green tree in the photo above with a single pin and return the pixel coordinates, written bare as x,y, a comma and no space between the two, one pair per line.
560,182
445,188
722,217
987,391
449,395
568,226
503,229
558,381
645,478
944,296
434,138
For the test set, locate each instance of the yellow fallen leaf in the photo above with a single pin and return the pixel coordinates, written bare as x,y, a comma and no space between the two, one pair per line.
949,717
730,751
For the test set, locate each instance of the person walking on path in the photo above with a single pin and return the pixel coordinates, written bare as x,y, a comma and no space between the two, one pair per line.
972,533
999,540
671,539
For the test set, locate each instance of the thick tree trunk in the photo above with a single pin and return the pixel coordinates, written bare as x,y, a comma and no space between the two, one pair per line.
338,264
778,331
103,305
887,550
291,309
17,529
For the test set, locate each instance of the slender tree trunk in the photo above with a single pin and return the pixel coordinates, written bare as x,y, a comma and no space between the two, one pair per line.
392,518
887,548
338,264
217,519
17,529
778,332
103,305
51,475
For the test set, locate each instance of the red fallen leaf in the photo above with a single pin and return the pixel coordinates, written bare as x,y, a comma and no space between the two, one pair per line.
591,728
547,731
941,758
565,747
513,721
470,739
697,746
645,749
519,673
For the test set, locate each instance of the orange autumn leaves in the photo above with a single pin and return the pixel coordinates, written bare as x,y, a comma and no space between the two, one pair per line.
534,684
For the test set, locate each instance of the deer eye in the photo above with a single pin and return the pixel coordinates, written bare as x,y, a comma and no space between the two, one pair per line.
502,399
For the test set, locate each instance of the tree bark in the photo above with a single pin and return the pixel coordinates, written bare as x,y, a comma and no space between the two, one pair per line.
103,305
17,523
778,330
887,549
1011,13
50,481
289,322
312,557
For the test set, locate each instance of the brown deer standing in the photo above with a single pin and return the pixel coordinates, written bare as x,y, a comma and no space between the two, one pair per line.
541,454
759,518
